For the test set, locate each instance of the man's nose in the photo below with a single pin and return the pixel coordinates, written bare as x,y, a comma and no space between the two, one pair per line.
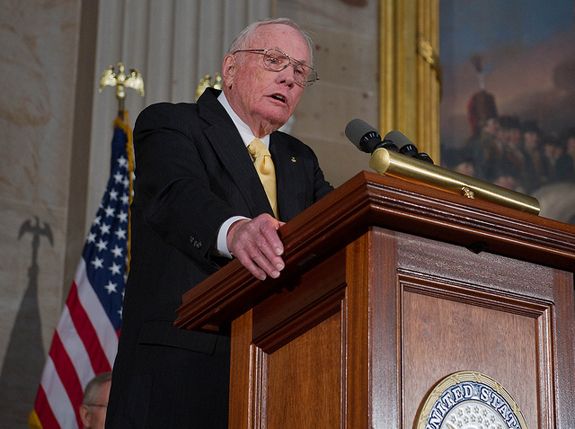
286,76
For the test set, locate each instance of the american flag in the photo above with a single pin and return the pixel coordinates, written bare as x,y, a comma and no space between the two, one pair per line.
86,338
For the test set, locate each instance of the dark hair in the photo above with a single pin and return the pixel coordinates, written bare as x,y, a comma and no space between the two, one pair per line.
509,122
530,127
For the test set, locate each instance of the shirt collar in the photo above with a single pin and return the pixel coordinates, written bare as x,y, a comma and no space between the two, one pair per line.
243,128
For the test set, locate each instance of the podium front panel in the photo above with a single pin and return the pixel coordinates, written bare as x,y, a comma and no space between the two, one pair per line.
458,310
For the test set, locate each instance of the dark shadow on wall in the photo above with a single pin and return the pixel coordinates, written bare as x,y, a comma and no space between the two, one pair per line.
24,359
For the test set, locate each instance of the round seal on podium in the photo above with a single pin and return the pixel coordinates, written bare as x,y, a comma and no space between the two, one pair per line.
470,400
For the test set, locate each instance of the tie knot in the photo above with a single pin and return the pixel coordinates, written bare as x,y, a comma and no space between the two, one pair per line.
257,148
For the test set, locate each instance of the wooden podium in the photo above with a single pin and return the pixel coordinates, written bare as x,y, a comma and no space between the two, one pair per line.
389,287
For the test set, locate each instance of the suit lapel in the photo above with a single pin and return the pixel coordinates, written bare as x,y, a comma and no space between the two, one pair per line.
229,146
290,187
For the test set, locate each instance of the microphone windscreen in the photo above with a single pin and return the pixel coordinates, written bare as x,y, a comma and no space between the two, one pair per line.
398,138
424,157
356,129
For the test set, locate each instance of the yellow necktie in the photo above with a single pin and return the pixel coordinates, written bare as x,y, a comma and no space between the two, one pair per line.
265,168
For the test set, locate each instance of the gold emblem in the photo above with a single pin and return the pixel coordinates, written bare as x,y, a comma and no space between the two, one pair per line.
467,192
207,82
121,80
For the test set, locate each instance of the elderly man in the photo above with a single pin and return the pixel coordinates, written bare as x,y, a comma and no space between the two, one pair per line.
95,402
206,189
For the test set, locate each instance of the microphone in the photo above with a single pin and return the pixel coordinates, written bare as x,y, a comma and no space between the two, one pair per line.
406,147
365,137
425,157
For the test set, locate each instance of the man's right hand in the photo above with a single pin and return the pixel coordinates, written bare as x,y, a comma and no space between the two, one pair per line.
256,244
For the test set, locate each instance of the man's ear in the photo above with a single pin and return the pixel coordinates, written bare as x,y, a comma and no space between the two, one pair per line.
85,416
229,69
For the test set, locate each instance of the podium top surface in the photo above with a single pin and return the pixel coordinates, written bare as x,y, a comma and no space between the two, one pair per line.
371,200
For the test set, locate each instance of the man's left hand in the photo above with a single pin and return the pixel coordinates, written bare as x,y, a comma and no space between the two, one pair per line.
256,244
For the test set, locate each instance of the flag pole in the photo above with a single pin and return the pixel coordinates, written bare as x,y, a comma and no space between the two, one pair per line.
117,78
85,340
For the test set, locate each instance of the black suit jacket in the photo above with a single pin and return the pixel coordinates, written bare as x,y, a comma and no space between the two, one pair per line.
193,172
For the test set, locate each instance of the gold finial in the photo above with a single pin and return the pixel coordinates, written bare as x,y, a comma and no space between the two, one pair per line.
206,82
119,79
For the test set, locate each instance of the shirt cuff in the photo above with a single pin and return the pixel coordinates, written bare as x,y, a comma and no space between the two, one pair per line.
222,244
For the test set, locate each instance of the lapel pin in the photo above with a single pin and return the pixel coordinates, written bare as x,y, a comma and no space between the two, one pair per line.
293,159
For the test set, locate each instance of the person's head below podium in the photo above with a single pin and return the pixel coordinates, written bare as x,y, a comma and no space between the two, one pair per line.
95,402
265,72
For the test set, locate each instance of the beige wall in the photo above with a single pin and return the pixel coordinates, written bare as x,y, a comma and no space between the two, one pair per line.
38,45
346,56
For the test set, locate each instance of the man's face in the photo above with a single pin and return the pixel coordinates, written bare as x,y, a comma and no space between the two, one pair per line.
571,146
515,136
531,140
262,98
491,126
94,415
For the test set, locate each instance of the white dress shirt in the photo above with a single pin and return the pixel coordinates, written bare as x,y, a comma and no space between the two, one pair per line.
247,137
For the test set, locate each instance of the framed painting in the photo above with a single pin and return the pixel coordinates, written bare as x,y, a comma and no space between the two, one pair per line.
508,96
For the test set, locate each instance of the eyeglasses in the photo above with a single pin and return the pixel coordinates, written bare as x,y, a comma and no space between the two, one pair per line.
97,405
276,60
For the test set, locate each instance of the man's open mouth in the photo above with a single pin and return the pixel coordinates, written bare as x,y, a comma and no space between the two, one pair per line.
279,97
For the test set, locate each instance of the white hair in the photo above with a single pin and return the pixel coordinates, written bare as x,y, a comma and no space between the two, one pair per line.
243,39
